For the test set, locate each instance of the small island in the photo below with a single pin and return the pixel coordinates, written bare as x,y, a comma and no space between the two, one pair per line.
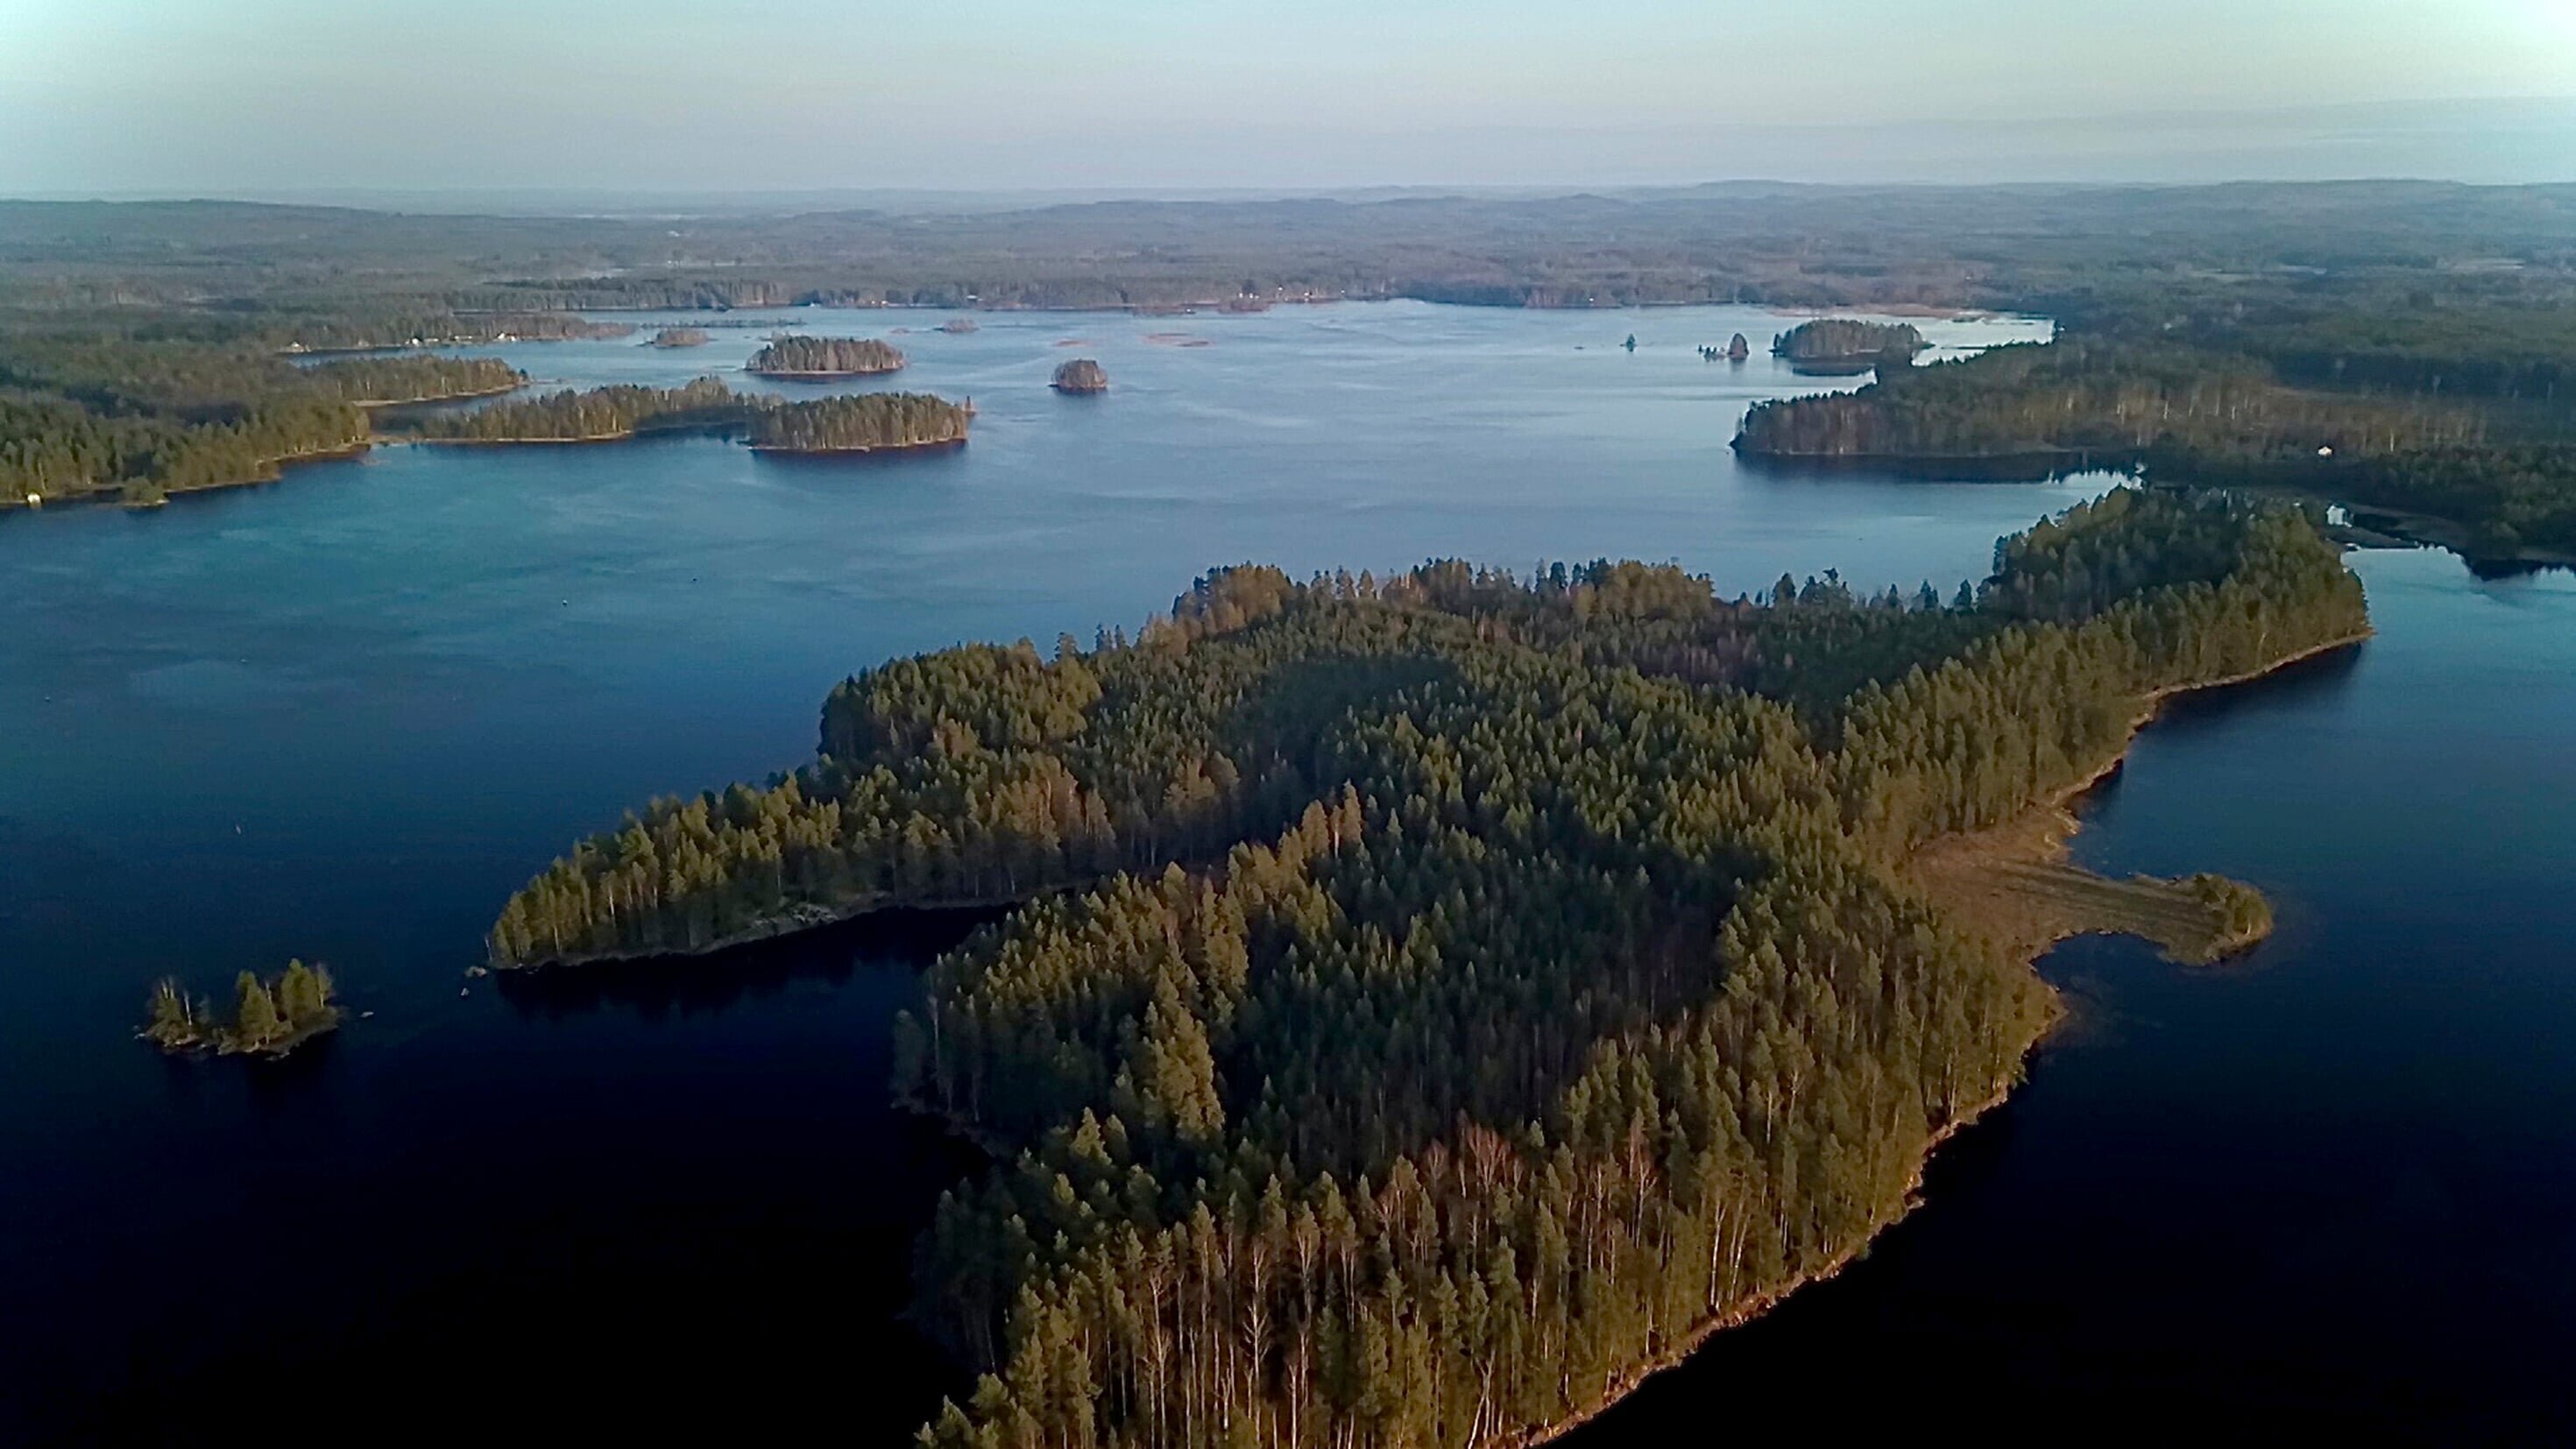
875,422
959,326
677,337
1736,350
270,1018
1080,376
817,357
1845,345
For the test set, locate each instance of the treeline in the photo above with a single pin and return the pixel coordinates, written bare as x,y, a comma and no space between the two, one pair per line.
1838,339
597,415
868,421
825,357
2507,498
861,423
387,381
2513,497
2092,404
1472,990
269,1017
51,448
372,326
144,418
2502,336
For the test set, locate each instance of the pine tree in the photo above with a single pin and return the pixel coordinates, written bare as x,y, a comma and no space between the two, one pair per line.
255,1019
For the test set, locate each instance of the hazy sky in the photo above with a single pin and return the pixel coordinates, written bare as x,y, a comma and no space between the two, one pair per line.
213,96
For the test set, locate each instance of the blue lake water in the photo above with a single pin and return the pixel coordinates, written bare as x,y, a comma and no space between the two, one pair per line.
343,716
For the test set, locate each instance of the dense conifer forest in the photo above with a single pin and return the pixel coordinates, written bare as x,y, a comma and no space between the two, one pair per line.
825,357
597,415
2498,467
1444,996
1843,339
834,424
864,423
83,416
2081,404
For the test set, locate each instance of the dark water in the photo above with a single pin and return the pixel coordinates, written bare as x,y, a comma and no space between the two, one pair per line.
344,716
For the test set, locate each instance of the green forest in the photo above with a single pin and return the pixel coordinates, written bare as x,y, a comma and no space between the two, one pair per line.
597,415
859,423
1440,997
2093,404
2495,463
269,1017
1838,339
82,416
862,423
2509,497
825,357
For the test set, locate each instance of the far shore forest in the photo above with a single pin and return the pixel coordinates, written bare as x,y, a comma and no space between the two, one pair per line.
2401,346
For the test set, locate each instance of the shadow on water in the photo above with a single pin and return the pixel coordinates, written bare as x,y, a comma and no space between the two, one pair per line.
2497,570
639,1192
696,985
2314,682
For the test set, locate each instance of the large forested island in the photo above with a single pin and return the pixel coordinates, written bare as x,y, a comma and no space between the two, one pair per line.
1442,999
825,357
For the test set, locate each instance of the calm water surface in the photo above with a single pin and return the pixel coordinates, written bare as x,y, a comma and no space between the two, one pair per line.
344,716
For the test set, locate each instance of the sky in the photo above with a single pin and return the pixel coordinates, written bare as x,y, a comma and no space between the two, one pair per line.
244,97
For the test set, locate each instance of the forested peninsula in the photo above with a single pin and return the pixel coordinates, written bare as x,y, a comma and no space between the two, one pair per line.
2074,404
870,422
825,357
2490,474
599,415
137,420
1442,999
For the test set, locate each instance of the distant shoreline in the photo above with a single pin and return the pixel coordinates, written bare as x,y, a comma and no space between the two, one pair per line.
374,403
271,471
926,445
819,376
